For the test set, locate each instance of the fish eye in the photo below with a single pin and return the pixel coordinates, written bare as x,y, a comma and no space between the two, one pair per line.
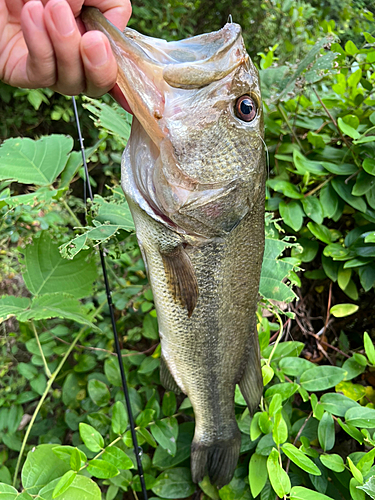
246,108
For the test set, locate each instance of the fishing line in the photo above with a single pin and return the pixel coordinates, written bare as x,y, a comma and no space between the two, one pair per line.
88,191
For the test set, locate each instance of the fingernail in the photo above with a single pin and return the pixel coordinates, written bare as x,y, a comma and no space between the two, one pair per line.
96,53
36,14
63,18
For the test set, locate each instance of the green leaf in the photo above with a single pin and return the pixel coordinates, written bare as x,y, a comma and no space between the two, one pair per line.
304,165
351,430
344,190
309,250
286,390
294,366
287,188
326,432
64,483
321,378
11,306
347,129
320,232
300,459
46,271
98,392
116,214
119,418
257,473
280,429
355,493
145,417
369,348
279,478
91,437
337,404
313,209
353,368
163,460
301,493
175,483
343,310
363,183
368,487
75,460
65,453
169,404
165,434
75,162
41,467
333,462
7,492
102,469
292,214
369,166
113,119
34,162
360,417
56,305
117,457
82,488
356,472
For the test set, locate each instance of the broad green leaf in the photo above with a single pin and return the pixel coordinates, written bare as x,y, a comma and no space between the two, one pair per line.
313,209
165,435
300,459
12,306
360,417
34,162
279,478
347,129
344,190
301,493
369,348
309,249
145,417
267,374
321,378
82,488
369,487
353,368
7,492
369,165
65,453
351,430
175,483
91,437
355,493
163,460
284,349
294,366
328,200
64,483
333,462
343,310
169,404
117,457
75,460
304,165
287,188
292,214
320,232
286,390
337,404
41,467
280,429
356,472
75,162
46,271
102,469
326,432
98,392
257,473
119,418
116,214
363,183
56,305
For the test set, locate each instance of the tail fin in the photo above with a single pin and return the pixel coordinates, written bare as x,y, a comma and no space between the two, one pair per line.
218,460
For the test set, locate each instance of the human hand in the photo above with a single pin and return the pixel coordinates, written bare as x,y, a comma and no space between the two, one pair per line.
43,44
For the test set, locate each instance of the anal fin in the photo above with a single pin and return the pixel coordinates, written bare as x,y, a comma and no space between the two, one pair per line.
167,379
181,277
251,383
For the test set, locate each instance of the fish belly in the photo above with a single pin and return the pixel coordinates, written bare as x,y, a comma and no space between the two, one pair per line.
217,346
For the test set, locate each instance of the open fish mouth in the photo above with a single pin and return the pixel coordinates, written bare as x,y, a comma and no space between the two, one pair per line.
150,68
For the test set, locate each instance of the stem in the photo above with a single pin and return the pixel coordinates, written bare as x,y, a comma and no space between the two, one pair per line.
46,391
47,370
278,338
289,126
319,186
71,213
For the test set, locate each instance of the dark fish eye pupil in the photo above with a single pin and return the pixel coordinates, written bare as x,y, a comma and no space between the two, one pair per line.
246,106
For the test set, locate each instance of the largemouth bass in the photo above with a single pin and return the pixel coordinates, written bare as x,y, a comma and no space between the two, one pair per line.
193,173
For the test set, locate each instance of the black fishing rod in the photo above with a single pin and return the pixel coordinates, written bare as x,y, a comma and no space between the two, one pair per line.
88,195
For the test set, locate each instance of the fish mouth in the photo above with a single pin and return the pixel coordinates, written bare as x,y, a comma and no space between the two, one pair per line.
149,68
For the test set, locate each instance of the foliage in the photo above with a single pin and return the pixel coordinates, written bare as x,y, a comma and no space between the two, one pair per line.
61,402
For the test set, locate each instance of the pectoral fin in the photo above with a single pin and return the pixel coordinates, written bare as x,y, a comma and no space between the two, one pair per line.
251,383
181,277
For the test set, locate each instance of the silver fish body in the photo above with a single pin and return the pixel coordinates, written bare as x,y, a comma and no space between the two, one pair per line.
193,173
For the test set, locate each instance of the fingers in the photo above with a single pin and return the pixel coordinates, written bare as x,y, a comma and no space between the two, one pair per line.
99,64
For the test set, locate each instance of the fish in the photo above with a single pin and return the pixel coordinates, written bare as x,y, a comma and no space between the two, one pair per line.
193,173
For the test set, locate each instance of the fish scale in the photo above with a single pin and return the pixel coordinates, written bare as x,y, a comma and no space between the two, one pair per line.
193,173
